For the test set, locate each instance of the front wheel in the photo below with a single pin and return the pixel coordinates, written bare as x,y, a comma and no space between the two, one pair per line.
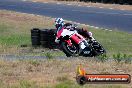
98,49
69,50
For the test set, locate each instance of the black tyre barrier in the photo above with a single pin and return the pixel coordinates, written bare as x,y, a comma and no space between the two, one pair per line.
35,41
35,37
44,44
123,2
52,31
53,45
128,2
52,34
44,35
35,30
51,37
105,1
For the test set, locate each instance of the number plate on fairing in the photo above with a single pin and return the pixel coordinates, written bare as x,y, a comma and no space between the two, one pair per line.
86,52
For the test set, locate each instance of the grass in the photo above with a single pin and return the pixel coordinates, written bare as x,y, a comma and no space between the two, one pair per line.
21,84
15,39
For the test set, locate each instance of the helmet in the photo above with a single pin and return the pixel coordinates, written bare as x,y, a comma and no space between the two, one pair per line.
59,22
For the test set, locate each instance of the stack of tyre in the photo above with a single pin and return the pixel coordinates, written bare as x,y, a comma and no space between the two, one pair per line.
35,37
51,39
43,37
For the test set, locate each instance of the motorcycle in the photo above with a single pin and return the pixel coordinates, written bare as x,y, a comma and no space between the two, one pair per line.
74,44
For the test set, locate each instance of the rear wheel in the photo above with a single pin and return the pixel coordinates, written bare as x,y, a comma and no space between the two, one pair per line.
69,50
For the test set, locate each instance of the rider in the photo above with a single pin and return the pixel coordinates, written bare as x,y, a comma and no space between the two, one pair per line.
59,23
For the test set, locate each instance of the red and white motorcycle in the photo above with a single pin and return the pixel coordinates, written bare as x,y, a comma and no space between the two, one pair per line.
74,44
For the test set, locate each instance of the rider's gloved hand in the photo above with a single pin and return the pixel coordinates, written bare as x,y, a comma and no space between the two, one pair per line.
57,40
90,34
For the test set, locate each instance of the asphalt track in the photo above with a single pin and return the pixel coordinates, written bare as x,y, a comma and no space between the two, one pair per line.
20,57
99,17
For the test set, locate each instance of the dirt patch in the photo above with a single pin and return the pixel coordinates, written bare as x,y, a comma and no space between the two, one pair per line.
53,71
100,5
16,16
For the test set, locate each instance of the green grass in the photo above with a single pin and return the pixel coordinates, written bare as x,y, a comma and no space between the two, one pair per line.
14,33
22,84
113,41
15,40
64,84
70,84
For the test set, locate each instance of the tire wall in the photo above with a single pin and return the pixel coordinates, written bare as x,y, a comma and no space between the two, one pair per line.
35,37
43,37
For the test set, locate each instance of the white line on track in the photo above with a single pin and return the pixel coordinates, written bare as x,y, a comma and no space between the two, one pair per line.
34,1
122,9
106,29
113,13
88,6
58,3
97,27
110,8
69,4
24,0
11,5
45,2
128,14
101,7
92,26
72,22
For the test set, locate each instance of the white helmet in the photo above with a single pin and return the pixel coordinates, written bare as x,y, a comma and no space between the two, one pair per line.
59,22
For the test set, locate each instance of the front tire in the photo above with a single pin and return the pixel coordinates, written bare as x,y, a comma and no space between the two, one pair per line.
98,49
